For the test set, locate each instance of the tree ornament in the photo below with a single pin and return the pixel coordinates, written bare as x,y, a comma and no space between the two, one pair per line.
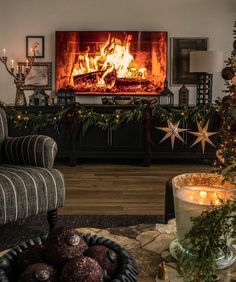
234,44
227,73
172,131
203,136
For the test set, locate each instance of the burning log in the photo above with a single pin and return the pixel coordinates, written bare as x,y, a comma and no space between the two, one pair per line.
132,81
87,76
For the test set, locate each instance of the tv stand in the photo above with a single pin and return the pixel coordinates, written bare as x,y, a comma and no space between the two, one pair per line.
128,142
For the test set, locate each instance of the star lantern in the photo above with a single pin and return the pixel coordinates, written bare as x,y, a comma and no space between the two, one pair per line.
203,136
172,132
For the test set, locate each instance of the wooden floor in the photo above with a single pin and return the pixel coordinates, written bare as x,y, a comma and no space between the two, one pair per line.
114,189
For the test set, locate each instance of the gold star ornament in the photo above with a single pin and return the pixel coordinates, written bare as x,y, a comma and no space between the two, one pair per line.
172,132
203,136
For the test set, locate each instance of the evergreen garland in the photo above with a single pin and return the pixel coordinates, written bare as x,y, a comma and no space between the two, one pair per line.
84,117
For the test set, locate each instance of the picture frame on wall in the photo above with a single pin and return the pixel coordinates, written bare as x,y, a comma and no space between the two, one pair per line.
40,76
35,43
180,48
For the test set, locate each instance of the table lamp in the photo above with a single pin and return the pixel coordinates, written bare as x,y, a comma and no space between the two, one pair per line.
205,63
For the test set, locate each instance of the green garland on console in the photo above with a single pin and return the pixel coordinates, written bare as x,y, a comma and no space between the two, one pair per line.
79,115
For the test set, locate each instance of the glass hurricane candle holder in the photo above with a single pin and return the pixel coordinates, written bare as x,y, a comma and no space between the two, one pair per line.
194,193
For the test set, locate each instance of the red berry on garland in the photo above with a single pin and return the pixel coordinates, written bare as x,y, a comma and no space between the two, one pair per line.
68,116
227,73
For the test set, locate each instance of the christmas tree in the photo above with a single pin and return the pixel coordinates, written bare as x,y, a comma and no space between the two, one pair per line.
227,151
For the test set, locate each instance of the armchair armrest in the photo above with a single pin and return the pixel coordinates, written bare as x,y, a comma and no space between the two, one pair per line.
34,150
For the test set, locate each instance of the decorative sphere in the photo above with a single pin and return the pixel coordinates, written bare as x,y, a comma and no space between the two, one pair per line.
64,244
31,255
83,269
39,272
107,258
227,73
234,44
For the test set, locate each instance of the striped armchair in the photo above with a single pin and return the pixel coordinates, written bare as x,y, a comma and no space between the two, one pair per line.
28,183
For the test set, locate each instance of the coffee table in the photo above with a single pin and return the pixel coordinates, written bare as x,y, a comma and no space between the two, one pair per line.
149,245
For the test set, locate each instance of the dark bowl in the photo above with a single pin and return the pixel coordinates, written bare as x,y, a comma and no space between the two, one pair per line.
127,270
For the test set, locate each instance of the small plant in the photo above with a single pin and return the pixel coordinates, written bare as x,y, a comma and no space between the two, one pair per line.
209,234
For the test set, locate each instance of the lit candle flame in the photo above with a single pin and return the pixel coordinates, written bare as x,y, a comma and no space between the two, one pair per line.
203,194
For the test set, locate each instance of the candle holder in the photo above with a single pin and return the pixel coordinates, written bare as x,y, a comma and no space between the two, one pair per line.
193,194
19,78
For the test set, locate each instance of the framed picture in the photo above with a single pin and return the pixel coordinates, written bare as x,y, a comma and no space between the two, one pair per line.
40,76
180,50
35,43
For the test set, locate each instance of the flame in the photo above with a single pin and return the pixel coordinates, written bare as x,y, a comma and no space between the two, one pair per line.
114,56
205,195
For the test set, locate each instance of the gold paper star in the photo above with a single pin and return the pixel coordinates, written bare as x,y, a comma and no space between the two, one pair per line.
172,131
203,136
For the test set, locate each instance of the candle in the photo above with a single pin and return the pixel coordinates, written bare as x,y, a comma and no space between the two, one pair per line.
192,197
193,194
17,69
27,64
4,52
22,69
12,63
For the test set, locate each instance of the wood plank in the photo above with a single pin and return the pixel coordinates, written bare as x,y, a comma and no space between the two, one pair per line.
117,189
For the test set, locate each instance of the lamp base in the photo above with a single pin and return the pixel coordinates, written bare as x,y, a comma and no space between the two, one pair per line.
222,260
204,88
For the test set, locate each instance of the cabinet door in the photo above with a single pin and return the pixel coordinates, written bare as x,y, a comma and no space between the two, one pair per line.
125,136
94,137
128,135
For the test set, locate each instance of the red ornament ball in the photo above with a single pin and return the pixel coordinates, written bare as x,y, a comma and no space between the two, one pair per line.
234,44
83,269
227,73
106,258
64,244
39,272
31,255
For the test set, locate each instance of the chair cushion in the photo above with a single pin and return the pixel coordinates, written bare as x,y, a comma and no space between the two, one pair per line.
33,150
28,190
3,129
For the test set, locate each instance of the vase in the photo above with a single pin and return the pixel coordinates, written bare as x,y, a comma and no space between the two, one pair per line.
20,99
194,193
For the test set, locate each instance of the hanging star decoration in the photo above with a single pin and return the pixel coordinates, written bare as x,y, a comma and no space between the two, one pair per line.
172,132
203,136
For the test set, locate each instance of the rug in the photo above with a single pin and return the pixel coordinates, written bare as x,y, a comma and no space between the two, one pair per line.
13,233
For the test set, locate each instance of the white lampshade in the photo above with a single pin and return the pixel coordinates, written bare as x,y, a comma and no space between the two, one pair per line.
206,61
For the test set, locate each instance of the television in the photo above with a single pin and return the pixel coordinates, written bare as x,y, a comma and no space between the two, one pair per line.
111,62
